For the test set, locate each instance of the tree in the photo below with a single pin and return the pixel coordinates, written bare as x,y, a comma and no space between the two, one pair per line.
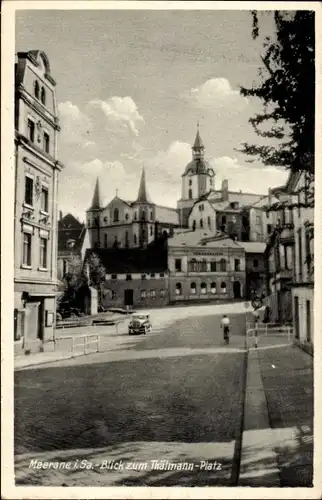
287,91
96,272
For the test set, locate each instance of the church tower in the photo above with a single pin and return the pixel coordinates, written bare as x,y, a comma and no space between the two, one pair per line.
93,217
198,179
144,215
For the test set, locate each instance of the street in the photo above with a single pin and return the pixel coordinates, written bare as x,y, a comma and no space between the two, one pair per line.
175,394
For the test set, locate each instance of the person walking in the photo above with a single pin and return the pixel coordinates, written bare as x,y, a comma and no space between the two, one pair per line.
225,326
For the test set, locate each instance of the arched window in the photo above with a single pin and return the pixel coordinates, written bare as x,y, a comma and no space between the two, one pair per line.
126,216
223,287
143,215
190,182
203,288
43,95
116,215
151,230
36,89
190,194
223,264
178,289
209,222
151,215
135,216
135,239
213,288
193,288
201,223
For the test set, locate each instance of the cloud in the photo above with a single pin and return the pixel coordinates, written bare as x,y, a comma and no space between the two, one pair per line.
252,179
75,125
170,164
120,110
216,93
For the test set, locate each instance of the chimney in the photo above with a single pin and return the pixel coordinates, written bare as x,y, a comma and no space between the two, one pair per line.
224,190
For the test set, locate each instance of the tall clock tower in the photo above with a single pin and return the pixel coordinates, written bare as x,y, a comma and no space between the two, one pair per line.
198,179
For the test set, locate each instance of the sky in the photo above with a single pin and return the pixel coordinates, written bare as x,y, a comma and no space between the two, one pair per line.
131,87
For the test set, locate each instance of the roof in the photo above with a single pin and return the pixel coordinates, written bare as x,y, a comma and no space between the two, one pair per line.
244,199
69,228
201,237
166,214
253,246
198,144
132,260
143,196
197,166
96,202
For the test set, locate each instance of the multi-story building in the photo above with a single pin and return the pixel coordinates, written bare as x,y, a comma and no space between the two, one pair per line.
72,244
255,268
36,182
204,266
303,275
128,224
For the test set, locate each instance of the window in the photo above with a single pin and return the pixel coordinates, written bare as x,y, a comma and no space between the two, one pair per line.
143,215
269,229
190,194
65,267
237,264
135,216
194,225
43,95
44,199
31,130
209,222
255,263
26,251
223,265
178,289
126,239
151,215
178,266
143,276
308,251
193,266
151,230
128,277
258,220
213,288
116,215
46,142
201,223
300,251
113,294
43,252
29,190
161,275
143,294
135,239
223,287
224,219
210,182
213,266
203,266
190,182
105,240
152,275
126,216
203,288
36,89
114,276
162,292
152,294
193,288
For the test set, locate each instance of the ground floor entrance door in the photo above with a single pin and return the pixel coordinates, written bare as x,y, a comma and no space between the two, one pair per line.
128,297
237,290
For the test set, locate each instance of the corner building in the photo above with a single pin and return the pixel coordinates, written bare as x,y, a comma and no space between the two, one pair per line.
35,206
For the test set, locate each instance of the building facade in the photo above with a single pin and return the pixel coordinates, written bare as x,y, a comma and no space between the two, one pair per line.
72,244
128,224
204,267
35,206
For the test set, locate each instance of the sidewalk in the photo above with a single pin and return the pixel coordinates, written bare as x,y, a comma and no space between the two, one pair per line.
277,443
41,358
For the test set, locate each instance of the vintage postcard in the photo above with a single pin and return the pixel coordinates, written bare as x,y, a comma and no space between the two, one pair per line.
161,244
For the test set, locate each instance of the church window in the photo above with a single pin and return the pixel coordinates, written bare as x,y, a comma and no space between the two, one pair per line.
116,215
43,96
190,194
201,223
223,265
36,89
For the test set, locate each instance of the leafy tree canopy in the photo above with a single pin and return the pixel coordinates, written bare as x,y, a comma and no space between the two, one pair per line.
287,91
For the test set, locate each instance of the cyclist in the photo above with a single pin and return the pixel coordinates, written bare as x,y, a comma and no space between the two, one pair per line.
225,326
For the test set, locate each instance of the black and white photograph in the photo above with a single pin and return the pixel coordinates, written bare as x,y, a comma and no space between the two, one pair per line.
159,295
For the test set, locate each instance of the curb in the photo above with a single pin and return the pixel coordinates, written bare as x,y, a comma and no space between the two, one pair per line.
48,361
257,435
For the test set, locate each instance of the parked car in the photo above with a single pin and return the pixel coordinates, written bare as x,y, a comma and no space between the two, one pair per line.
140,323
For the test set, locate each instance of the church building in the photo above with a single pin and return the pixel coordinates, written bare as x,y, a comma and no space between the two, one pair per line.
129,224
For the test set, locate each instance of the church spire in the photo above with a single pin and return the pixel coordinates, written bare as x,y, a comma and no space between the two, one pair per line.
198,146
96,202
143,196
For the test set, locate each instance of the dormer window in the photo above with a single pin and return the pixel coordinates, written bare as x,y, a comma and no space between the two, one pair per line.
70,243
36,89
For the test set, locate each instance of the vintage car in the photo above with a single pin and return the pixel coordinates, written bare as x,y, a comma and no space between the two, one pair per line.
140,323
